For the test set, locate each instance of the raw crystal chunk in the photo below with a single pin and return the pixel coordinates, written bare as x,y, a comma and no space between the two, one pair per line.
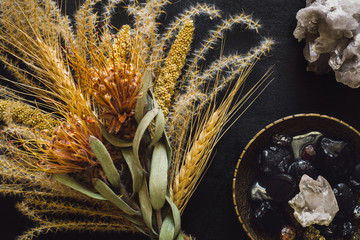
316,202
331,30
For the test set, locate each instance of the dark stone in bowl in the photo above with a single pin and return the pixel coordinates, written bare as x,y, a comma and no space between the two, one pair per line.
247,170
345,199
335,159
275,160
299,168
281,188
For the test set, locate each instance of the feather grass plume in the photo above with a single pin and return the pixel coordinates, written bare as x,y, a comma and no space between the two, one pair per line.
112,130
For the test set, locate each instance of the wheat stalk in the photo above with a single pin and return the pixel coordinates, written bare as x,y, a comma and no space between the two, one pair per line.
188,172
186,179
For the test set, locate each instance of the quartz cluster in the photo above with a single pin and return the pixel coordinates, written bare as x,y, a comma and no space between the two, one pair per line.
331,30
316,202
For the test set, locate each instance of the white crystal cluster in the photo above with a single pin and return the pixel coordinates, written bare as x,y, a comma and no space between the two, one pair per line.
316,202
332,33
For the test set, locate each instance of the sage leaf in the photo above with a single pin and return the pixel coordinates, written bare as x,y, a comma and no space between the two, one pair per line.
143,125
176,216
159,127
137,173
167,229
105,161
159,123
158,176
106,191
72,183
141,102
117,142
168,148
145,205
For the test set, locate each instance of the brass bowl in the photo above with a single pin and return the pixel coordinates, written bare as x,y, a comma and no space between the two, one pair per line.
247,169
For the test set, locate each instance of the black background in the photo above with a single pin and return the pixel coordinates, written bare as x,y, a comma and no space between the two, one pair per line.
210,213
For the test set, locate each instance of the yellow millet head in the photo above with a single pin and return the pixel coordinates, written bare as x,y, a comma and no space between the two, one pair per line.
115,91
23,114
174,63
69,150
121,45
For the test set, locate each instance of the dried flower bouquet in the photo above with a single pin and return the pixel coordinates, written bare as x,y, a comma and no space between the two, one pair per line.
112,129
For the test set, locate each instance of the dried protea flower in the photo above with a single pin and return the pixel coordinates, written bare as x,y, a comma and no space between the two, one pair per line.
68,149
115,90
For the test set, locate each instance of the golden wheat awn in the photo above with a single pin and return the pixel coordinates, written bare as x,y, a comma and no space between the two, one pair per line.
127,103
188,173
194,162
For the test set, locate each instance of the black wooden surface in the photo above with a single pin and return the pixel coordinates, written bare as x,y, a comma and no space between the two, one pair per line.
210,214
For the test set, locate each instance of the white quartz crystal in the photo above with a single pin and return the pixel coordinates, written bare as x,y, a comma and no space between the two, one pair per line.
331,30
316,202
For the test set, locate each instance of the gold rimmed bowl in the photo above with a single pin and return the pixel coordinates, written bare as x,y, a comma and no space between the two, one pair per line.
247,169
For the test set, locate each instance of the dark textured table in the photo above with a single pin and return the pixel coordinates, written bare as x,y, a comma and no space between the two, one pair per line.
210,213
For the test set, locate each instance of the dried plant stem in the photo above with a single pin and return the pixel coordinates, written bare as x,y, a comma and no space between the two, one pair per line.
187,172
187,177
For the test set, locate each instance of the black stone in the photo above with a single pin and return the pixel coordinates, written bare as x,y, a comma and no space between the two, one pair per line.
331,231
268,216
281,187
299,168
345,199
281,140
354,184
335,159
346,229
275,160
356,173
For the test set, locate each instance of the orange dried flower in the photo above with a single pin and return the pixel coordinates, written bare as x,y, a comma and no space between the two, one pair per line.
115,91
69,149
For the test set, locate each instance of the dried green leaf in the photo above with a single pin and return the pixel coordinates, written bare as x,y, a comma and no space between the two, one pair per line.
145,206
159,126
137,173
106,191
158,176
72,183
117,142
168,148
141,102
167,229
176,216
105,161
143,125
